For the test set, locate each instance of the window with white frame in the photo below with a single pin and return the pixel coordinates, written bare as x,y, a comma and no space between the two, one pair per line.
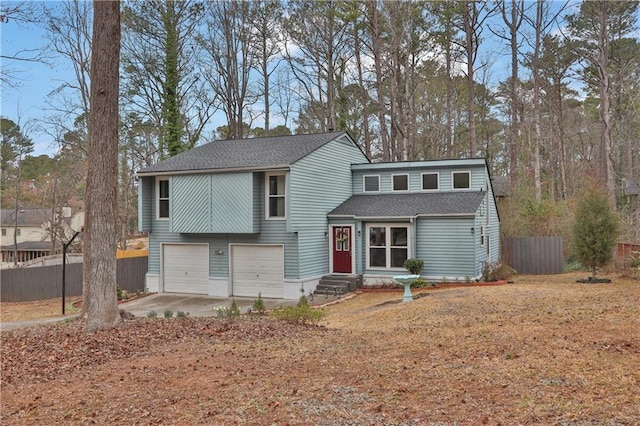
482,236
276,197
430,181
400,182
372,183
387,246
163,198
461,180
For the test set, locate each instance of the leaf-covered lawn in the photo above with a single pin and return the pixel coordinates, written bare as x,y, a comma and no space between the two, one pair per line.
544,350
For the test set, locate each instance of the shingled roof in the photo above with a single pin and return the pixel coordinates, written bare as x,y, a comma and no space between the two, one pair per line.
409,205
26,217
244,153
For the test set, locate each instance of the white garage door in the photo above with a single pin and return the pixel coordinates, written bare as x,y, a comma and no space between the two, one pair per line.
257,269
186,268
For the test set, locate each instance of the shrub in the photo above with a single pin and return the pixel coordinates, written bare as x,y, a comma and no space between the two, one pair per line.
118,292
258,305
168,313
222,312
595,230
152,314
303,302
299,315
181,314
234,310
418,283
497,272
414,266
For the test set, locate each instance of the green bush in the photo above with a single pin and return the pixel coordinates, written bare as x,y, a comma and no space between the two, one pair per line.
418,283
595,230
303,302
168,313
258,305
181,314
118,292
222,312
152,314
234,310
299,315
414,266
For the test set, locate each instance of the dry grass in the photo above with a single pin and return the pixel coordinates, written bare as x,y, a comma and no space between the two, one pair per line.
544,350
25,311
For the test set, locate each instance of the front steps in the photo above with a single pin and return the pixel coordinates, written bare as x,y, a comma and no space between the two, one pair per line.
337,285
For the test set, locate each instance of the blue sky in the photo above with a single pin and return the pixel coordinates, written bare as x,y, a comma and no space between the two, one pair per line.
34,81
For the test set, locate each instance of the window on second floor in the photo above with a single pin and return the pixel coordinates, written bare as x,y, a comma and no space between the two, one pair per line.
430,181
163,198
461,180
276,197
372,183
400,182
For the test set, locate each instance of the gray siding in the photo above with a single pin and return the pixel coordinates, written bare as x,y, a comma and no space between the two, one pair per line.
146,197
219,203
273,232
446,245
478,177
190,203
319,183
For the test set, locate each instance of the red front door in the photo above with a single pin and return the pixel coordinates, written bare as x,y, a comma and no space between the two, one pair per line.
342,249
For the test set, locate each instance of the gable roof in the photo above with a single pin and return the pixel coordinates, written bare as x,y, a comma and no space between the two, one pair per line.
410,205
256,153
26,217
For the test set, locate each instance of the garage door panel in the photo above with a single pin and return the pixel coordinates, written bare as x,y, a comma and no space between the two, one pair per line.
186,268
258,269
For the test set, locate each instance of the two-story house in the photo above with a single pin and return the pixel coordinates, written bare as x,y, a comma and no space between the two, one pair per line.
273,215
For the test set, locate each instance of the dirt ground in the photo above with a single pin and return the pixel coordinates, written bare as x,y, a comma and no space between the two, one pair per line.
544,350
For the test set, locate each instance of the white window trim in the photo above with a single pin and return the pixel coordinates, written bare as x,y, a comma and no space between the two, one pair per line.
267,196
483,236
422,181
453,188
393,189
364,186
158,180
387,246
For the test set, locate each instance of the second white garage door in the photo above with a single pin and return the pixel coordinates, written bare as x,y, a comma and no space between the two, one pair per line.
257,269
186,268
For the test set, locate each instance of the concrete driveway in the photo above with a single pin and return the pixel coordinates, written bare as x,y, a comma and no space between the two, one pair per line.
193,305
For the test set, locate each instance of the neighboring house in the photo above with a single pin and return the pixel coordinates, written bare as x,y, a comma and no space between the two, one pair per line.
274,215
33,232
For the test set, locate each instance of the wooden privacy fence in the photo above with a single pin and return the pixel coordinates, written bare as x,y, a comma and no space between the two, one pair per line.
45,282
533,255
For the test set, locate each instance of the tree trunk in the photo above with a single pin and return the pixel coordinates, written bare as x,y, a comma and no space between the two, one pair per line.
102,180
376,43
471,46
606,151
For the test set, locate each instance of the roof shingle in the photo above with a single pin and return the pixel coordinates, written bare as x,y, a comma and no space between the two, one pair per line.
244,153
408,205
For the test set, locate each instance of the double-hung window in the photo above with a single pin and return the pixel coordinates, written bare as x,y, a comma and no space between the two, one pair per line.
276,197
387,246
163,198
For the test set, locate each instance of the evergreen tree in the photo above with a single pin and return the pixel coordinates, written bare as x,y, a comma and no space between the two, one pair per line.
595,230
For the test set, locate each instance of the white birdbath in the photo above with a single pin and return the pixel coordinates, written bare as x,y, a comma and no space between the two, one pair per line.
406,281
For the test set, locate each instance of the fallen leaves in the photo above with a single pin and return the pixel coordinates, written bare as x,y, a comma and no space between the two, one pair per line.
544,350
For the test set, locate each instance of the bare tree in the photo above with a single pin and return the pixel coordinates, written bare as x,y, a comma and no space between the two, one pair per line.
231,56
102,180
